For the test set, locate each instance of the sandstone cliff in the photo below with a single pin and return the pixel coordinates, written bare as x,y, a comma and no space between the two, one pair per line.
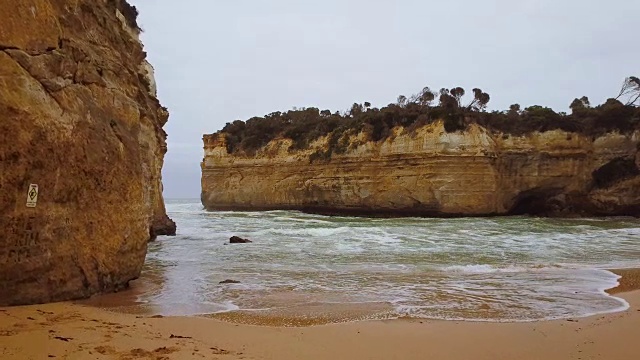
80,119
430,172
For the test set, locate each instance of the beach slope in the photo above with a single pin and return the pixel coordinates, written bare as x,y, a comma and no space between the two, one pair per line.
69,331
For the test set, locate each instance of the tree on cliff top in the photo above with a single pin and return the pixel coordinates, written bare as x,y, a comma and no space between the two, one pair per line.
457,94
480,100
578,105
356,109
402,100
631,91
423,98
305,125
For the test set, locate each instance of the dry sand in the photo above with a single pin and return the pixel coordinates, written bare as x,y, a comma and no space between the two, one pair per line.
71,331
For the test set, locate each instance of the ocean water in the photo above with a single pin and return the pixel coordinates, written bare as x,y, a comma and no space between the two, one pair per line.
343,268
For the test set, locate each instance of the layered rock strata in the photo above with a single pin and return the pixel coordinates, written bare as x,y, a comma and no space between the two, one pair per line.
80,120
429,172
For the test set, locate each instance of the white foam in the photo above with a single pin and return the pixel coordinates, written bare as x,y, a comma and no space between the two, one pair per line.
302,220
228,306
488,269
318,232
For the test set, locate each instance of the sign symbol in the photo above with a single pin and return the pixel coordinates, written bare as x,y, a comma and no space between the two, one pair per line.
32,196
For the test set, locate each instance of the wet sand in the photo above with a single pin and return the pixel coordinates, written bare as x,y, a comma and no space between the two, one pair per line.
73,331
629,281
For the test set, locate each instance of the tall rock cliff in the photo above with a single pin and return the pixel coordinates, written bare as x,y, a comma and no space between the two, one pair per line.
79,119
430,172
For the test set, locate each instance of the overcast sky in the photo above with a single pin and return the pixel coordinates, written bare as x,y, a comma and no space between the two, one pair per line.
217,61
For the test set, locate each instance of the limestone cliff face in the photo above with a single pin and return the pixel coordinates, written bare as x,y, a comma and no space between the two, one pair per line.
79,118
432,173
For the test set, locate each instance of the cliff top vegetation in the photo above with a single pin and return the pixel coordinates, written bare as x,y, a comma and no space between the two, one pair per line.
303,126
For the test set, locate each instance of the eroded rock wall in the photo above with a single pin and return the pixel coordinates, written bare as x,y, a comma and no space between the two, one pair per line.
430,173
80,119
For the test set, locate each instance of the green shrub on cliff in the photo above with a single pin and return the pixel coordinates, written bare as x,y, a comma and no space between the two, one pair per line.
304,126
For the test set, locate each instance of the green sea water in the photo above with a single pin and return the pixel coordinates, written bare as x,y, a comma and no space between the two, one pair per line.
482,269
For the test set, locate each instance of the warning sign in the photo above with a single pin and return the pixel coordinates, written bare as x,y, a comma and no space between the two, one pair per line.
32,196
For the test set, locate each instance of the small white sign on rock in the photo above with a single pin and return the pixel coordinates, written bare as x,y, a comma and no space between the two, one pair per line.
32,196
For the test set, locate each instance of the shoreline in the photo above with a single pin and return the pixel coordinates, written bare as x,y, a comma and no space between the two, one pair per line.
73,331
320,313
401,213
629,281
340,314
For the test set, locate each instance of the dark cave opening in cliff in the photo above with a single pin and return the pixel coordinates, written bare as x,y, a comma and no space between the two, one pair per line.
536,201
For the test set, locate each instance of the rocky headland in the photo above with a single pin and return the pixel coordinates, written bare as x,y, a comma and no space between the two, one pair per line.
80,120
414,158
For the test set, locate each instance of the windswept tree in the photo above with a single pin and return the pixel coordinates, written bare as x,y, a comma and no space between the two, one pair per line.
480,100
402,100
631,91
457,94
425,97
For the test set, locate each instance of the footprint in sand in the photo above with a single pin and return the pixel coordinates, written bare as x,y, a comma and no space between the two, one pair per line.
218,351
105,350
137,353
165,350
157,354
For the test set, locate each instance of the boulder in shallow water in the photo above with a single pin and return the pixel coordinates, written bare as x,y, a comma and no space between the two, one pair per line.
238,240
229,282
163,225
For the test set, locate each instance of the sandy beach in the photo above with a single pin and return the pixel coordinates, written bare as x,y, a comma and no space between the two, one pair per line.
72,331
